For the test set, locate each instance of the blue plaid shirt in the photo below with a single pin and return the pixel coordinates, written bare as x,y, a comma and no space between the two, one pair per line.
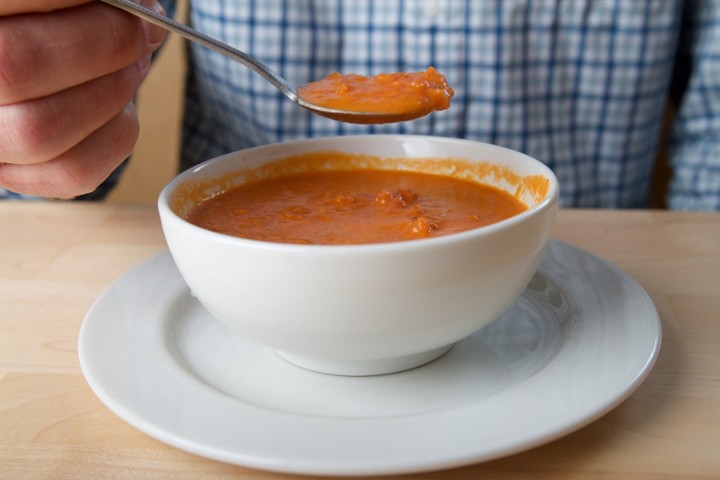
580,85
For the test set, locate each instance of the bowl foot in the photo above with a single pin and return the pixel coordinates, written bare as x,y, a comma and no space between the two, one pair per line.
364,367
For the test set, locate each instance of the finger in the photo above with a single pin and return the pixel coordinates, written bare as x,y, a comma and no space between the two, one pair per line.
41,54
13,7
39,130
80,170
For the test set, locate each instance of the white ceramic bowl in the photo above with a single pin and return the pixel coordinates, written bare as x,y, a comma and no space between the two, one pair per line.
363,309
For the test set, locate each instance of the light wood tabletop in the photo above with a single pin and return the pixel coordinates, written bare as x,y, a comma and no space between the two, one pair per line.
57,257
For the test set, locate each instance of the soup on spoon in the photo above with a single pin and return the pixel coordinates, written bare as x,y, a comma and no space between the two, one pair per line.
385,98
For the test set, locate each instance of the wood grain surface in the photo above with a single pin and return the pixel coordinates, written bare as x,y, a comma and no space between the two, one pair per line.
56,258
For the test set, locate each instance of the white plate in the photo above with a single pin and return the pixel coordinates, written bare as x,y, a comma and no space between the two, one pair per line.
579,341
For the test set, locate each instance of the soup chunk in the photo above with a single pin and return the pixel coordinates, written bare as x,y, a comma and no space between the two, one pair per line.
360,206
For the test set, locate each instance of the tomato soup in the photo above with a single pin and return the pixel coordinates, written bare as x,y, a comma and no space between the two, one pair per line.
412,94
356,206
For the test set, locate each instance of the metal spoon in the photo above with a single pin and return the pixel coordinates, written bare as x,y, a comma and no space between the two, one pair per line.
258,67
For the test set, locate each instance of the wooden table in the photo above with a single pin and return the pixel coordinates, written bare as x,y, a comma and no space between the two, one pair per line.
56,258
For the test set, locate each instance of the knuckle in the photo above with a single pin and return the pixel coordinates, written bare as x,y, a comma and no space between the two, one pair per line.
6,177
22,179
28,134
116,38
71,182
125,131
125,36
126,82
91,163
16,66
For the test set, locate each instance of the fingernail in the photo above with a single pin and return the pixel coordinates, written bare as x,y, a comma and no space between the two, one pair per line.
155,35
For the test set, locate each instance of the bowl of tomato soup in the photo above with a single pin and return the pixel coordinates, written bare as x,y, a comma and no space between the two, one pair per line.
360,255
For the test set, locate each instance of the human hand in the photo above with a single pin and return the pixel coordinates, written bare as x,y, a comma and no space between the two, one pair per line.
69,70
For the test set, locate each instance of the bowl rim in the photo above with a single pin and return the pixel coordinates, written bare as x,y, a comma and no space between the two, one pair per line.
168,215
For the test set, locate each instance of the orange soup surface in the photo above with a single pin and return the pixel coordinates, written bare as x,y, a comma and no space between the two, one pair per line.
353,207
416,93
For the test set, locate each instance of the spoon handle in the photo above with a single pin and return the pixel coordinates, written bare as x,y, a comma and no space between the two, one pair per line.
206,41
